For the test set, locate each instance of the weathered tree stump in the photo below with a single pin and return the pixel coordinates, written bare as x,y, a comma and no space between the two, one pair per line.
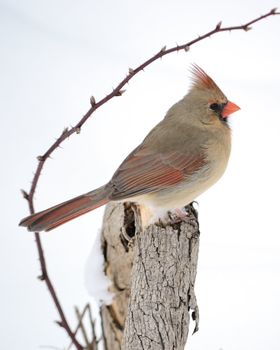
153,274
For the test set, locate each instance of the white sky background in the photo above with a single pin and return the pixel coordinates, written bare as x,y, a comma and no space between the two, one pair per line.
54,56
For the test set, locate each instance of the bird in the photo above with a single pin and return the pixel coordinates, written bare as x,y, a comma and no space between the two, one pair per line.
180,158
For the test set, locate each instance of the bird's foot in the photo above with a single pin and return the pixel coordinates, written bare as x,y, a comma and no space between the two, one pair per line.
177,215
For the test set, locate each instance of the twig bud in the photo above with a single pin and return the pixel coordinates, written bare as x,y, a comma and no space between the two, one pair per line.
247,28
130,70
40,158
41,277
24,194
64,131
163,48
218,26
120,92
187,48
78,129
92,101
273,11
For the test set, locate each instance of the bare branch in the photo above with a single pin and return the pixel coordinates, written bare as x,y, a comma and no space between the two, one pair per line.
81,325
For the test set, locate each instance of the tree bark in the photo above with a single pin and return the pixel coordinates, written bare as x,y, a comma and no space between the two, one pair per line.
153,274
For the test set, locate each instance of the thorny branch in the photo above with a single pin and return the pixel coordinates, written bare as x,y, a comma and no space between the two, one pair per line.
117,91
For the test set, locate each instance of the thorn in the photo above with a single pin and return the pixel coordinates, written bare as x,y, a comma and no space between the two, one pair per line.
92,101
130,70
218,26
120,93
163,49
187,48
24,194
59,323
78,129
247,28
40,158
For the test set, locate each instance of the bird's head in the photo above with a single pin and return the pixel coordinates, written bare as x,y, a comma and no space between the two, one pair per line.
207,102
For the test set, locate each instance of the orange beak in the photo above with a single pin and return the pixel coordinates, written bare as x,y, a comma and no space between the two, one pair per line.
229,108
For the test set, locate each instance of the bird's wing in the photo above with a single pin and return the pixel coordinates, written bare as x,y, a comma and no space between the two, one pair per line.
145,171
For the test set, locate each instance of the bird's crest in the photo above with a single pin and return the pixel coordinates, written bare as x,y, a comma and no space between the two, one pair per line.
201,80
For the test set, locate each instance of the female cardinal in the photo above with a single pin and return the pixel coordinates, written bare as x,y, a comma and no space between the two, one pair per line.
181,157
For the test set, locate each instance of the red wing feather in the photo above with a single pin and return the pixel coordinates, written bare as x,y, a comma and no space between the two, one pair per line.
144,171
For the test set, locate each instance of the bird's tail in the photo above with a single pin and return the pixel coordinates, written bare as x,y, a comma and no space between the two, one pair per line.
49,219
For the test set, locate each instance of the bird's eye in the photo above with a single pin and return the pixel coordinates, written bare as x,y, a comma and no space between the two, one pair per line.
215,107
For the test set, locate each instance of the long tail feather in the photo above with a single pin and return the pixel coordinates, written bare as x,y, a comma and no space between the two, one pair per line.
53,217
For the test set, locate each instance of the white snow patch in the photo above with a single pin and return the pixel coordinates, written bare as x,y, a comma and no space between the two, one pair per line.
97,283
